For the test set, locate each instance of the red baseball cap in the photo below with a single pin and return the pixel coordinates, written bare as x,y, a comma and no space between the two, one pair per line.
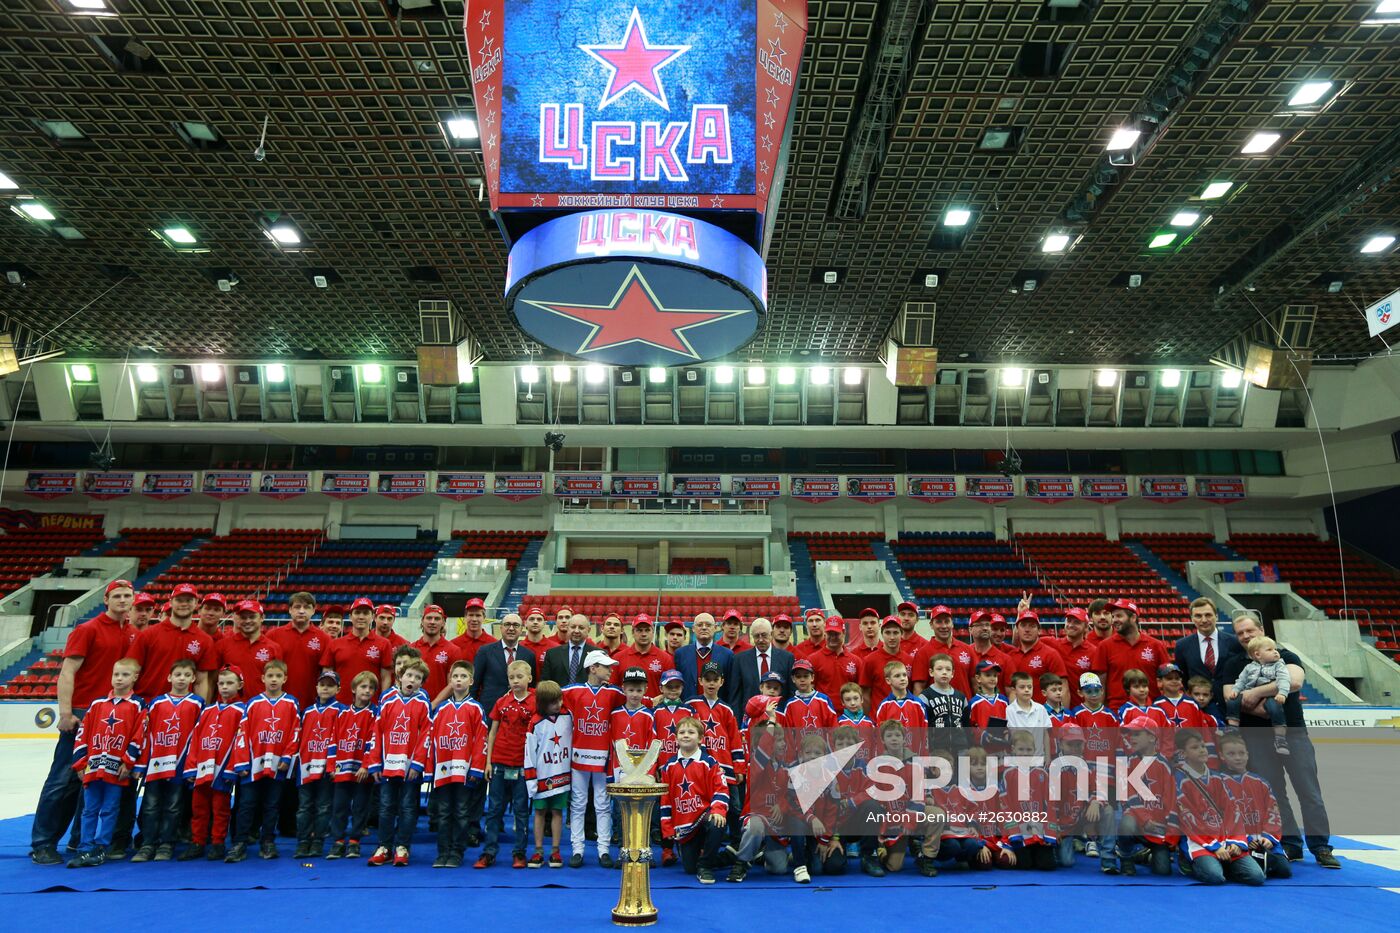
644,620
869,612
998,619
813,612
1070,734
165,608
536,611
835,624
475,603
978,616
940,610
890,621
233,669
214,598
1028,614
782,618
144,599
386,610
564,608
184,589
249,605
434,607
331,609
116,585
906,605
364,602
1140,724
1122,602
1074,612
673,625
802,664
732,614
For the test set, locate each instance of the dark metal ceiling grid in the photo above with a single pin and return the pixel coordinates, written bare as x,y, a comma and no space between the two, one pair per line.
357,159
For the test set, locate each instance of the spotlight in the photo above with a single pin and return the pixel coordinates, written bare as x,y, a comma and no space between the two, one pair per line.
755,376
851,376
786,375
276,373
1012,377
1230,379
147,374
1171,378
530,374
724,375
595,374
1107,378
656,375
211,372
561,373
820,375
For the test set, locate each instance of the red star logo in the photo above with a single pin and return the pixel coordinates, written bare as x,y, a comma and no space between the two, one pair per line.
635,63
635,315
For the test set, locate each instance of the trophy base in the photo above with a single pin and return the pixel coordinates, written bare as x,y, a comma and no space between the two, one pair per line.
634,920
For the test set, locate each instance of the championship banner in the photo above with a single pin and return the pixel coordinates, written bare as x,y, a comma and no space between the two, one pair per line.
46,485
769,486
167,486
460,487
814,488
115,485
989,488
579,485
285,485
517,487
636,485
1162,488
932,488
227,484
1049,488
1103,488
403,485
697,486
871,488
24,519
1220,488
340,485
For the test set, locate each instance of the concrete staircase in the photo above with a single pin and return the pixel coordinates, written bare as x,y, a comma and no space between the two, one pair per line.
1160,566
882,551
447,549
808,595
520,578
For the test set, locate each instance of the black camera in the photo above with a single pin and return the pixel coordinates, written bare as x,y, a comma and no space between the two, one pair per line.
1010,464
554,441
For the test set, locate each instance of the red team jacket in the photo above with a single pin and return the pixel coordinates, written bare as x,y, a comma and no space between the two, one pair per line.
269,735
111,735
722,738
458,742
805,714
318,726
170,722
400,739
591,709
211,745
664,718
353,729
695,788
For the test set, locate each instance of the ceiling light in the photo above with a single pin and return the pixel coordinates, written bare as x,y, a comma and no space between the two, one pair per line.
956,217
81,372
211,372
36,210
372,373
1378,244
656,375
60,130
1260,142
1388,6
529,374
7,183
1309,93
1161,240
820,375
146,373
786,375
1216,189
851,376
1230,379
178,235
285,234
1107,378
1055,243
595,374
724,375
1123,138
1171,378
561,373
830,277
68,232
462,129
1012,377
467,374
1185,218
755,376
276,373
88,4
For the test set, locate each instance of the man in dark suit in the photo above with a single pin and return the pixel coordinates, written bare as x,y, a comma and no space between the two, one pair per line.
1205,652
690,658
489,682
564,664
750,666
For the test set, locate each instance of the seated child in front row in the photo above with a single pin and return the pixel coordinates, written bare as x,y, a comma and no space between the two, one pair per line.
1026,791
695,804
1212,834
1145,818
1255,806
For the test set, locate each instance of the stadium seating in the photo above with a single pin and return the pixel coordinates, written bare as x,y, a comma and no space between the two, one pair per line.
966,571
239,564
598,565
29,553
700,565
153,545
339,571
495,545
38,682
1176,550
838,545
677,608
1080,568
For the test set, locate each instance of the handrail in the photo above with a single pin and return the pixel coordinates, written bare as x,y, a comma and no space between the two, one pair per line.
274,581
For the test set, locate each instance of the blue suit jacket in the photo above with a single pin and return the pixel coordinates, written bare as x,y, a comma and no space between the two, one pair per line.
686,662
489,683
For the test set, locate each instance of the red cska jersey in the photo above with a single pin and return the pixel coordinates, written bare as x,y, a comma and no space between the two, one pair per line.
399,741
318,725
636,727
269,736
110,738
170,722
810,713
458,742
1027,791
722,739
591,709
665,716
211,745
1256,809
911,711
1207,815
353,729
1158,806
695,787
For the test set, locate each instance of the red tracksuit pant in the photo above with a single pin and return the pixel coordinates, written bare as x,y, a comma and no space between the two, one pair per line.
209,806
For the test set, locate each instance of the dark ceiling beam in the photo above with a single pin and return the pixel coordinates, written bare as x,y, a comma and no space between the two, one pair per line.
1217,32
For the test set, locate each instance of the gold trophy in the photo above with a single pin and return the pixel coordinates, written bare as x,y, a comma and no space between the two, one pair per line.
636,793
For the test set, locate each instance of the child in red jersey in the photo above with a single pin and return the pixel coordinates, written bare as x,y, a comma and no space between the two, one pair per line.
807,709
1101,744
695,804
505,761
397,756
816,848
901,705
632,722
1177,709
1146,815
1256,808
590,706
970,838
1079,809
1139,702
268,739
722,739
1213,836
853,712
1056,691
549,769
170,721
767,803
105,753
207,768
1026,792
986,711
316,779
354,791
668,711
458,753
1202,691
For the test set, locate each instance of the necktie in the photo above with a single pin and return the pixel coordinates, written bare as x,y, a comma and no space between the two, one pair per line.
763,664
573,664
1210,654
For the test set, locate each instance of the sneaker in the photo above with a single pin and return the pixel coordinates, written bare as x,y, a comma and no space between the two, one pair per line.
576,860
352,849
1108,867
517,860
871,866
303,849
1294,852
191,853
485,860
337,850
1326,859
926,867
46,856
536,861
216,852
454,861
738,872
78,861
164,853
705,876
380,856
401,857
268,850
1129,867
1091,849
852,851
801,875
440,861
556,859
144,854
605,860
238,853
114,853
1281,745
668,857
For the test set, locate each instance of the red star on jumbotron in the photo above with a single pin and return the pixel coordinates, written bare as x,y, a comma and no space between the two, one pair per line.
635,315
635,63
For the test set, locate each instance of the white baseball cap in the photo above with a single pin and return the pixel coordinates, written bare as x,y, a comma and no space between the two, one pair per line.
598,657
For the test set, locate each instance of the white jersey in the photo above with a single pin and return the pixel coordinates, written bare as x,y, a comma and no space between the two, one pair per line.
548,753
